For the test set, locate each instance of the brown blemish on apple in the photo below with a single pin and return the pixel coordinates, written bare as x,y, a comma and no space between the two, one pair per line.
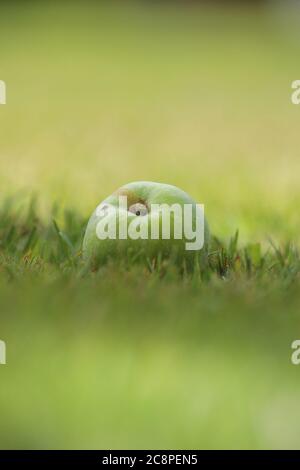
131,197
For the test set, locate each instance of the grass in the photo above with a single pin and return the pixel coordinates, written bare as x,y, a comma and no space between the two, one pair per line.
128,356
32,244
103,357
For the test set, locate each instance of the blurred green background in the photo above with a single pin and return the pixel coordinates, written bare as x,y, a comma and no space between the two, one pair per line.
192,94
188,94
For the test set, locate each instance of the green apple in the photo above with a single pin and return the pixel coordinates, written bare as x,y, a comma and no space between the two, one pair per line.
132,223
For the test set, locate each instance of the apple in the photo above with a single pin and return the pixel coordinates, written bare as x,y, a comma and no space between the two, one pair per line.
124,226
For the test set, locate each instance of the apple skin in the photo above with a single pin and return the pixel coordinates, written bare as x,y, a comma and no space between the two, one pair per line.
97,251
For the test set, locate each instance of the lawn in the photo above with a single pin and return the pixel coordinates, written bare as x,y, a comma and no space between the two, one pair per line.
129,357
